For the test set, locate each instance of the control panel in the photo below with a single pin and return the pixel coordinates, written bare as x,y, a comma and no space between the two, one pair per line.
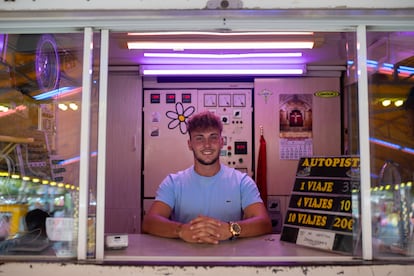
234,107
165,135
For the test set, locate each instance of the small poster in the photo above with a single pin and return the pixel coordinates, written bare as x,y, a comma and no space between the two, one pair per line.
293,149
295,124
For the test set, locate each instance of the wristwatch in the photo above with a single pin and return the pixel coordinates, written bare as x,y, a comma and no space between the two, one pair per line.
235,230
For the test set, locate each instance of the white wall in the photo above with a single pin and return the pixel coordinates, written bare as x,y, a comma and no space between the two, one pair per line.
123,164
42,269
326,127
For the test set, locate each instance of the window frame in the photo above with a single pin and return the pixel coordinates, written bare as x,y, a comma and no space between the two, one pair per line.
358,21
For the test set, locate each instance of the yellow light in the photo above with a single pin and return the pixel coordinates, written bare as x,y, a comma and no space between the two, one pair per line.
36,180
15,176
398,103
73,106
53,183
63,106
386,102
45,182
25,178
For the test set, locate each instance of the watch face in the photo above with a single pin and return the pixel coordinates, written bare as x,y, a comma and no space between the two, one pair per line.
236,229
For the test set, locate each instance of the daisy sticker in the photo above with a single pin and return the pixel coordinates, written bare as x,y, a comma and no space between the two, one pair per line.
179,117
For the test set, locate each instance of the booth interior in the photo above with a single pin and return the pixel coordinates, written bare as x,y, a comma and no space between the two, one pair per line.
290,118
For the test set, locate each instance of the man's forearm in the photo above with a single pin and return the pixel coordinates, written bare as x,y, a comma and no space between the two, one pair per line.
255,226
161,226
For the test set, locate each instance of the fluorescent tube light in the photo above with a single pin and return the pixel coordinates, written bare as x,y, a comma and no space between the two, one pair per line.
269,70
60,92
76,159
12,111
219,33
159,72
223,56
236,45
392,145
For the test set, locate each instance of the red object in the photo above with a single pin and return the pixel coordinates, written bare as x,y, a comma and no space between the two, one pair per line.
261,179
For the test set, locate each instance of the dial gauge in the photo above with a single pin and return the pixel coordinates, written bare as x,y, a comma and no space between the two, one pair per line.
210,100
239,100
224,100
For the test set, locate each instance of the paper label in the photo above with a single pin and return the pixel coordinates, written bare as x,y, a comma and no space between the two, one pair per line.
317,239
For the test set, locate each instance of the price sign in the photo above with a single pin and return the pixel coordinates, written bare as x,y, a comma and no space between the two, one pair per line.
320,212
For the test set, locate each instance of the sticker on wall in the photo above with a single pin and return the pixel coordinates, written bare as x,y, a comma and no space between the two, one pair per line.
155,131
265,94
179,117
155,117
326,94
295,124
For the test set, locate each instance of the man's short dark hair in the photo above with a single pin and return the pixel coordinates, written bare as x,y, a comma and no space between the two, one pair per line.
204,120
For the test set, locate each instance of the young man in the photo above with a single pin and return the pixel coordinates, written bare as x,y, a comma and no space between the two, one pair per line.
208,202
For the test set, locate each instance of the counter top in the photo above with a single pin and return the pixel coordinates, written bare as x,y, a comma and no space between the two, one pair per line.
260,250
264,250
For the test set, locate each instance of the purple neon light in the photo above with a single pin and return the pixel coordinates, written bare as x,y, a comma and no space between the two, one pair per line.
180,46
223,71
175,33
223,56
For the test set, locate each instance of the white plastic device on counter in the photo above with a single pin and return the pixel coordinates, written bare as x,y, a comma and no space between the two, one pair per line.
116,241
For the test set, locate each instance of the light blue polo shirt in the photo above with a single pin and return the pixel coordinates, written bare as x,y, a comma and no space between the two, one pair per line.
222,196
